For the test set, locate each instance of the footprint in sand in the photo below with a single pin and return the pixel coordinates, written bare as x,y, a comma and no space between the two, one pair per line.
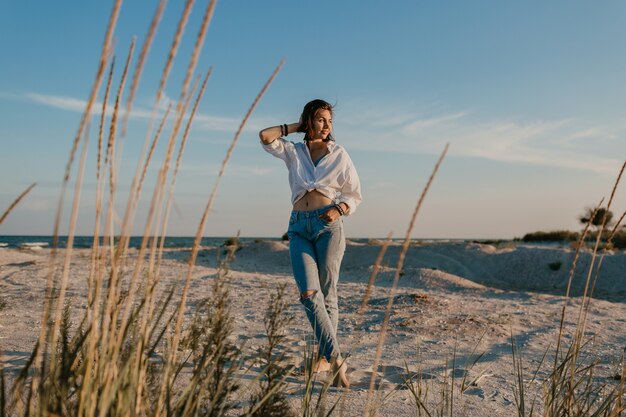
387,377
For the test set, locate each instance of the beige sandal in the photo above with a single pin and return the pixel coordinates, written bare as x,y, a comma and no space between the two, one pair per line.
340,370
321,365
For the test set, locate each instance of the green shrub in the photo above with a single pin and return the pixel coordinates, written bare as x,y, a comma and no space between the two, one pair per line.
555,266
552,236
231,241
619,240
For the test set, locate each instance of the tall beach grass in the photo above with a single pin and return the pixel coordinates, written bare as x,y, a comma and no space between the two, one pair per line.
127,354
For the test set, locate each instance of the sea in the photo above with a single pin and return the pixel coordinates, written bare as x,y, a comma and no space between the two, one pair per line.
135,241
172,242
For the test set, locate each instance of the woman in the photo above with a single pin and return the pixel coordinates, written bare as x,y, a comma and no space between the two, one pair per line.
324,187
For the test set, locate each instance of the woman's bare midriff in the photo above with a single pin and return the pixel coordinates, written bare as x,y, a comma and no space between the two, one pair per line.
312,200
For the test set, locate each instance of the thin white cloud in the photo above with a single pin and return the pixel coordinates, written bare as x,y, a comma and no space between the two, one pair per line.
421,125
202,121
211,170
560,143
566,143
59,102
538,143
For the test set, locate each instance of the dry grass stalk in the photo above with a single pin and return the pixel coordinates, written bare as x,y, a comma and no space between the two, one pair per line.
152,276
100,393
145,49
110,151
68,252
156,215
109,317
363,307
374,274
135,188
198,238
16,202
97,263
604,252
181,149
99,183
570,387
134,195
56,329
174,48
270,398
584,308
155,140
105,102
106,48
572,270
157,197
161,181
110,157
405,247
236,138
119,141
206,20
161,221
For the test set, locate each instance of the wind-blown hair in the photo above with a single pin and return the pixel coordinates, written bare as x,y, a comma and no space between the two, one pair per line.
309,112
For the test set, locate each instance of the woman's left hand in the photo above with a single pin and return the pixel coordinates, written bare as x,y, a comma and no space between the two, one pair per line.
330,215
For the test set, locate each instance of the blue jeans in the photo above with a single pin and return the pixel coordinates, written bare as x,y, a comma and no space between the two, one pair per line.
316,249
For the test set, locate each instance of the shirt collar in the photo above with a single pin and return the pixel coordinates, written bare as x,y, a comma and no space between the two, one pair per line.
330,145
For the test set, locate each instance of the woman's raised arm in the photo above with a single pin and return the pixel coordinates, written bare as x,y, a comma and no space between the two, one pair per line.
270,134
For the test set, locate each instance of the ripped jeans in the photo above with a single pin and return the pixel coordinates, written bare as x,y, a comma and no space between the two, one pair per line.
316,249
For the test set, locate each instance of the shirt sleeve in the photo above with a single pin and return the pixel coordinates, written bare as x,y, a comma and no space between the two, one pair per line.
278,148
351,190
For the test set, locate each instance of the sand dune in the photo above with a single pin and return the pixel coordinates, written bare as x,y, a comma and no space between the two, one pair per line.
452,298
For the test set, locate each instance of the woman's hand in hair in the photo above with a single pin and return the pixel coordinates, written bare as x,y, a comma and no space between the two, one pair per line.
270,134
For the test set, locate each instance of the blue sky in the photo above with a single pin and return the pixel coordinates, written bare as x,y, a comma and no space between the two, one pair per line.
530,95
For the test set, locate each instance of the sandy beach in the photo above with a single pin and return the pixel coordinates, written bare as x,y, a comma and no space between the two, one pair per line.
454,301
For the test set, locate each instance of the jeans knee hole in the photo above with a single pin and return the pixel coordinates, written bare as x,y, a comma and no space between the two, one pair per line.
305,295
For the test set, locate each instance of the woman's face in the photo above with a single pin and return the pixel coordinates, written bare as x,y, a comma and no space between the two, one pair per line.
322,124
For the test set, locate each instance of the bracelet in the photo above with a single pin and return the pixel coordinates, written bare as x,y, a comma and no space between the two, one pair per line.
340,210
282,132
286,130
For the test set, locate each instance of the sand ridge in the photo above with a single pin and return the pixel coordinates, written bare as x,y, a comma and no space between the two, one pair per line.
452,298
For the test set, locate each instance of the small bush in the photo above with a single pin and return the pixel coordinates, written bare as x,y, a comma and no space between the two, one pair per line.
231,241
555,266
231,245
619,240
552,236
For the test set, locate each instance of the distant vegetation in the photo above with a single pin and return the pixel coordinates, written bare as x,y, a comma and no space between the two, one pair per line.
613,237
552,236
555,266
619,240
597,217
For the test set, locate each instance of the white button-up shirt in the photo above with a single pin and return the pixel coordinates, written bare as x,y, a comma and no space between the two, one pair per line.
334,176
